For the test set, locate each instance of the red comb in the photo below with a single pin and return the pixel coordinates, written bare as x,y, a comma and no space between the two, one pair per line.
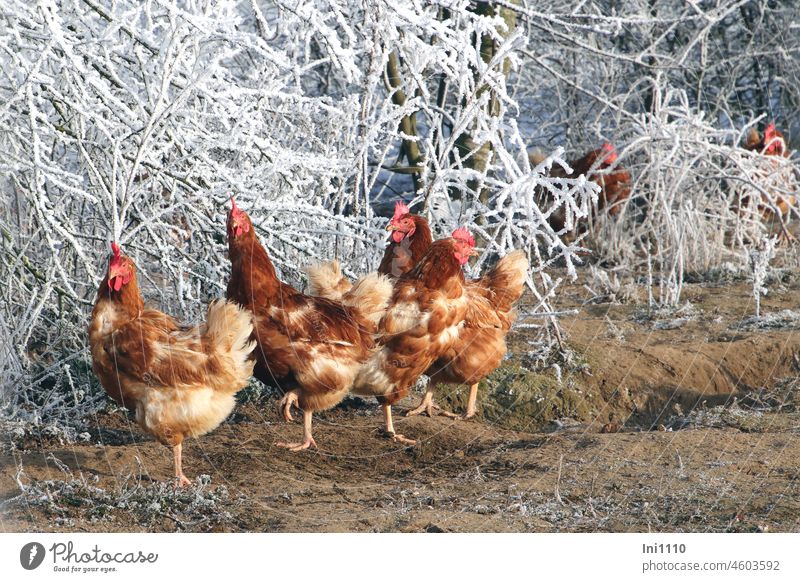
115,249
462,234
400,210
236,212
770,131
611,156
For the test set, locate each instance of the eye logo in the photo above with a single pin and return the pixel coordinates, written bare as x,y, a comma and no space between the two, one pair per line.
31,555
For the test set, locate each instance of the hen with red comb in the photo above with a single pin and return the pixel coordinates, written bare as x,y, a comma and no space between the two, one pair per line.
426,310
776,177
181,382
309,346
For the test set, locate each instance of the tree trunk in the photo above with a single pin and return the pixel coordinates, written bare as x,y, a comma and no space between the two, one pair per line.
480,156
408,124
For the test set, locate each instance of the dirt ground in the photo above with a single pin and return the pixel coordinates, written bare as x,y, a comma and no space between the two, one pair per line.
680,421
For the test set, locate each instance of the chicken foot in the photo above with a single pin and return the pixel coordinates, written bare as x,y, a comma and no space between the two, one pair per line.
431,409
308,440
183,481
285,405
389,427
471,400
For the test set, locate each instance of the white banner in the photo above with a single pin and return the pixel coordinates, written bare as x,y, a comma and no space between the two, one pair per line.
389,557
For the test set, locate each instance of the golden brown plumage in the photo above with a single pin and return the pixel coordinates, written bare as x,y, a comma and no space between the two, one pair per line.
480,346
180,381
311,346
426,311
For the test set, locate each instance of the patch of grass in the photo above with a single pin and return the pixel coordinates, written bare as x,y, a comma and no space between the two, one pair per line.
751,415
160,505
516,398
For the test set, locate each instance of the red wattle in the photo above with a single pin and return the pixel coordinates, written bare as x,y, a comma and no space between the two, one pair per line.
398,236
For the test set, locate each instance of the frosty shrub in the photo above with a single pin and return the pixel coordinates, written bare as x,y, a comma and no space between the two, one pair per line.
675,86
699,199
604,61
760,257
136,121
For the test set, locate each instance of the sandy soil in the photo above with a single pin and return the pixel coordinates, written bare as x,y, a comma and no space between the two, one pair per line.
681,421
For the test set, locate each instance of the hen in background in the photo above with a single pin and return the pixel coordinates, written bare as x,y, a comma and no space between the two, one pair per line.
772,143
777,179
615,187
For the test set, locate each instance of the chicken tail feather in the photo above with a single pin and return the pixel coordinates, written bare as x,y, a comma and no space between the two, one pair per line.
507,280
326,280
370,296
229,328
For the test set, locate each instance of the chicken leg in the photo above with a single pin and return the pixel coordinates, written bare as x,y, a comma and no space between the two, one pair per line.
183,481
308,440
389,430
471,400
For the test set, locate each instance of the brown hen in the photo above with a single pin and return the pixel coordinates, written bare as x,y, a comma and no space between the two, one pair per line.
615,187
422,323
481,346
180,381
310,346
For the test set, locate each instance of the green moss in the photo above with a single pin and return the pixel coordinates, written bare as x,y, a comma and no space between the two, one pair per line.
515,398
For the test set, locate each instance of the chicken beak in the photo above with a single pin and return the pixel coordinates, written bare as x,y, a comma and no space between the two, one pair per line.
473,253
391,227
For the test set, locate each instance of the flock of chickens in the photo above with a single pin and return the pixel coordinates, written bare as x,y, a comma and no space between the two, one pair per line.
601,167
375,337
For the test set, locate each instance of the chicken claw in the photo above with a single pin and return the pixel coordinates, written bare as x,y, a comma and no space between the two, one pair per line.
388,430
398,438
308,440
471,402
182,480
285,405
297,447
430,408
